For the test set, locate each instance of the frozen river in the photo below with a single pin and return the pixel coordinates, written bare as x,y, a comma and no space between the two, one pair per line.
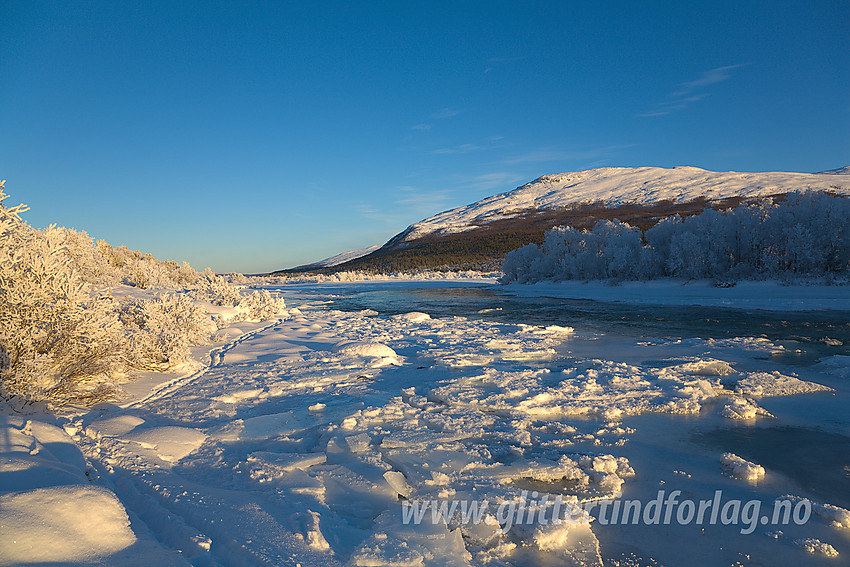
333,435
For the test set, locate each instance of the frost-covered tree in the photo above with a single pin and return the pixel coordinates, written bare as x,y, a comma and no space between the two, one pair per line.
806,235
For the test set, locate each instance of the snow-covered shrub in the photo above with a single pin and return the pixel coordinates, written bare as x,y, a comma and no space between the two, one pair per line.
59,343
237,278
261,305
88,259
162,329
805,235
62,342
254,305
101,264
216,289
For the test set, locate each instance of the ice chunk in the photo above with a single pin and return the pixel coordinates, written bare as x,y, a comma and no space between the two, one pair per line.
313,533
425,543
358,443
776,384
837,516
572,541
378,354
169,443
412,317
287,462
814,545
742,408
706,367
398,483
364,349
738,467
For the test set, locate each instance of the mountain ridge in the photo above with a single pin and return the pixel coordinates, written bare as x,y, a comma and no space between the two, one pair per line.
617,186
477,235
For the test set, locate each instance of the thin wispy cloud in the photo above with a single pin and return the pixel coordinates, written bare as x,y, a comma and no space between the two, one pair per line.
444,113
427,201
542,155
388,218
412,204
494,62
490,143
461,149
690,92
708,78
497,180
440,114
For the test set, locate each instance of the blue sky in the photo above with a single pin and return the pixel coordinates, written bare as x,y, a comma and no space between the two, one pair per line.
254,136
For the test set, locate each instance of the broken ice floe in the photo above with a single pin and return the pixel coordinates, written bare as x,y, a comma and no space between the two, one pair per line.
740,468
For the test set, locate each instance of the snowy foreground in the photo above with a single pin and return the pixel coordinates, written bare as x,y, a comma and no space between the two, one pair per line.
305,439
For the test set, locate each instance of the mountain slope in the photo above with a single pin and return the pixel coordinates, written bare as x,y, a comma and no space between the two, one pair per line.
478,235
341,258
618,186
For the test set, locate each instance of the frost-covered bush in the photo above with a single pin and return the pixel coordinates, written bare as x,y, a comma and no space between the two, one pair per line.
261,305
143,270
216,289
63,342
237,278
59,344
254,305
101,264
162,329
806,235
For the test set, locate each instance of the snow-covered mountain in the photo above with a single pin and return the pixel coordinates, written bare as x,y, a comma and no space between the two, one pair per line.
617,186
840,171
344,257
477,236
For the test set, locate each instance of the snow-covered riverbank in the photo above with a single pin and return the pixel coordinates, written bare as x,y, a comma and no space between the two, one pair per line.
769,295
304,439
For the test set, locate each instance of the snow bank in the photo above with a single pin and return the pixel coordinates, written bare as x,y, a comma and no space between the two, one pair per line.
49,510
73,523
356,276
770,295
